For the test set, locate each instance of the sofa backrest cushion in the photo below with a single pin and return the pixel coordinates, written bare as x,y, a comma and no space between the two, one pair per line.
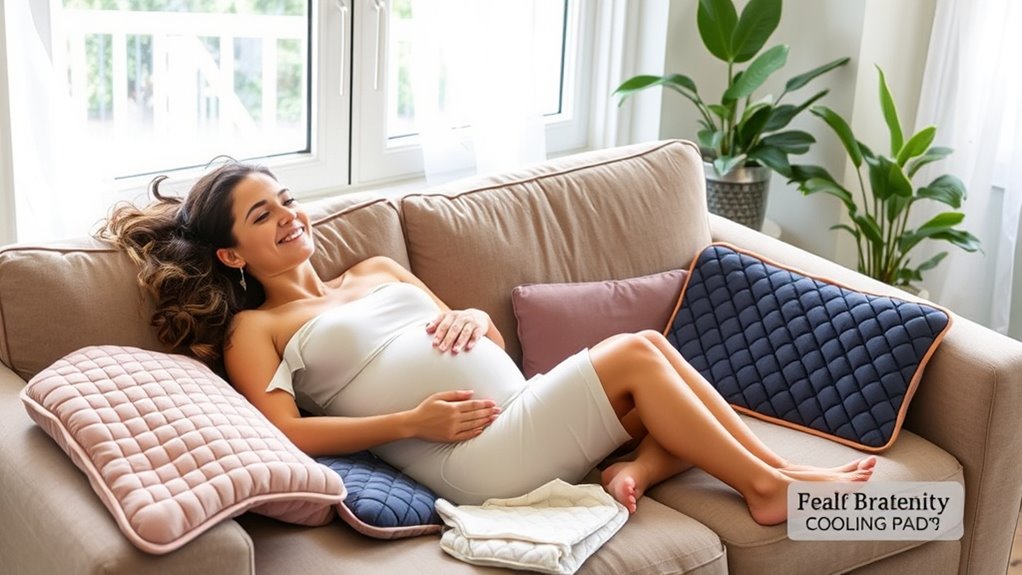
608,214
60,297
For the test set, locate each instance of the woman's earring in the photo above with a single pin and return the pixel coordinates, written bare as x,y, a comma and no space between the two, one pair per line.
244,286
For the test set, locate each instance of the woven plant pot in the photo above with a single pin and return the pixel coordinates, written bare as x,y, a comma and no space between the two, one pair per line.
740,196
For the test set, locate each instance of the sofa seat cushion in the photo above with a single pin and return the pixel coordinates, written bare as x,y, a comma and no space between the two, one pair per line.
750,545
655,540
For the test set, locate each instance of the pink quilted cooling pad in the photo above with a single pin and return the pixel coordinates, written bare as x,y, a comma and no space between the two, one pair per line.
171,448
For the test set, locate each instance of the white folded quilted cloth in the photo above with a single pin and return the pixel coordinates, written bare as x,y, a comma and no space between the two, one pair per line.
552,529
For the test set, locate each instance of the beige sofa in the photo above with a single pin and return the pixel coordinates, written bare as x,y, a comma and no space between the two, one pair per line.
608,214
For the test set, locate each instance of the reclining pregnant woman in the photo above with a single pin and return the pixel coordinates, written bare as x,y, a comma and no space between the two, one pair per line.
381,363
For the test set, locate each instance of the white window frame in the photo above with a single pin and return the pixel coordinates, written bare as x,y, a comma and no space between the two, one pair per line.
604,47
325,167
376,160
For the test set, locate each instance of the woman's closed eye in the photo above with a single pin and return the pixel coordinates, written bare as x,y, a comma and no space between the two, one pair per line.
286,203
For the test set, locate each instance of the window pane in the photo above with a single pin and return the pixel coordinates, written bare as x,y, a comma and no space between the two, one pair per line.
404,30
164,84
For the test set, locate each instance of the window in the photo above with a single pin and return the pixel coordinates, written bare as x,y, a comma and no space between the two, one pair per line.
385,100
168,84
321,91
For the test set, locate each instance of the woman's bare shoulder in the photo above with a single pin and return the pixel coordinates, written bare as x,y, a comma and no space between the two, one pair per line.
250,324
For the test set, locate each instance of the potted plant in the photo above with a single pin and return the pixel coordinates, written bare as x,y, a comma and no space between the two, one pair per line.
879,223
742,138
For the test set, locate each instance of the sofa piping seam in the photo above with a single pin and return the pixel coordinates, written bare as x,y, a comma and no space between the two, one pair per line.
6,338
330,217
558,173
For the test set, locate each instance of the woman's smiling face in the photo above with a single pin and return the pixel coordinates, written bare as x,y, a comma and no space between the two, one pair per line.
273,234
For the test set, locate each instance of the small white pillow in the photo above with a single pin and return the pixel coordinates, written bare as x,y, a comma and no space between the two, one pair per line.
171,448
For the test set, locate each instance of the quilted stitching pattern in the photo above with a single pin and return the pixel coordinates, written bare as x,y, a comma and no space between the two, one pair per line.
171,448
552,529
383,502
803,350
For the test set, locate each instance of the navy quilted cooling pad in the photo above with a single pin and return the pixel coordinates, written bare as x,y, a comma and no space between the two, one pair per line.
381,496
802,350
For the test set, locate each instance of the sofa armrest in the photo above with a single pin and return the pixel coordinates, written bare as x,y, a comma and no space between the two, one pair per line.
51,521
968,403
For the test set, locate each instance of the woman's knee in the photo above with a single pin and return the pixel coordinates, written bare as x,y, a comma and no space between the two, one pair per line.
629,343
653,336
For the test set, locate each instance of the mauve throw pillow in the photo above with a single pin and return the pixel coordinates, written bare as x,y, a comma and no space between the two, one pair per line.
557,320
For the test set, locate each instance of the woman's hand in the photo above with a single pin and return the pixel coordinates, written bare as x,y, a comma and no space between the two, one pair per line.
451,416
458,329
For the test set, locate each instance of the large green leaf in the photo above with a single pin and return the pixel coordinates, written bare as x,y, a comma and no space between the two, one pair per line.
869,228
855,233
867,152
890,115
932,262
706,137
917,144
723,112
792,141
749,129
758,21
844,133
758,71
803,79
772,158
939,227
717,20
826,186
896,206
725,164
802,172
750,109
942,221
946,189
932,155
679,82
886,179
782,115
960,238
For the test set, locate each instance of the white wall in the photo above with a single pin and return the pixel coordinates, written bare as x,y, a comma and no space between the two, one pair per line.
7,215
893,34
895,37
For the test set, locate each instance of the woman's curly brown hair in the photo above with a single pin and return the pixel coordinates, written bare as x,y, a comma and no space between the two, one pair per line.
174,243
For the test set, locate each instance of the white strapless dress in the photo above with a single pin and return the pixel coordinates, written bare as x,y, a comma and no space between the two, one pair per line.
373,356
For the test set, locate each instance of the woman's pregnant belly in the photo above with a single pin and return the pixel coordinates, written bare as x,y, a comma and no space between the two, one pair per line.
409,369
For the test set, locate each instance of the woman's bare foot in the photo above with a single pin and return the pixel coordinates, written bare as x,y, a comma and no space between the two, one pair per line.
859,467
768,505
626,481
862,463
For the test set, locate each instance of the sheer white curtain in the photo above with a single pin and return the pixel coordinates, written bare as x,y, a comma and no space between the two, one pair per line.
971,92
60,190
475,87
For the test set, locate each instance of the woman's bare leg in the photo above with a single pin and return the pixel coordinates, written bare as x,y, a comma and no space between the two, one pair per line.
635,374
729,418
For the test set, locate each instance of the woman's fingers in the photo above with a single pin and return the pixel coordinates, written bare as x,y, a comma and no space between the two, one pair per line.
476,334
467,335
455,331
471,405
